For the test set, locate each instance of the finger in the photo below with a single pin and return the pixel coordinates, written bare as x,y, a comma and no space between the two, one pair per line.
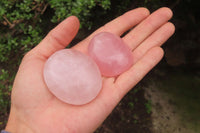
118,26
58,38
130,78
124,22
146,27
156,39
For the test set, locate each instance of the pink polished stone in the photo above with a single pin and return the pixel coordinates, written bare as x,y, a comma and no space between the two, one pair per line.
110,53
72,77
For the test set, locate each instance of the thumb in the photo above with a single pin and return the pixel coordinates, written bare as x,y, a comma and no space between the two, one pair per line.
58,38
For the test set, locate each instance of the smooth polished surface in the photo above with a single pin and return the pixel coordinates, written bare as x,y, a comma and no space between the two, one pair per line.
111,54
72,77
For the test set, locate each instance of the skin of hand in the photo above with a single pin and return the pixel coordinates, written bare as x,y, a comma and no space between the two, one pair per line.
35,109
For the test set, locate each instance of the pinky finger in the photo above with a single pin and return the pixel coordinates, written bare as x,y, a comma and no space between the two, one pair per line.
130,78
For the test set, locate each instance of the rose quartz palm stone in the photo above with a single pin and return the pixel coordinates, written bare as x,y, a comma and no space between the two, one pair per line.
110,53
72,77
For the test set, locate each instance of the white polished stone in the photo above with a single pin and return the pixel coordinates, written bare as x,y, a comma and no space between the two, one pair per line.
72,77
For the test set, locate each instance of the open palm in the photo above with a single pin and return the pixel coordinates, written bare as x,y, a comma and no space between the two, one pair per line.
35,109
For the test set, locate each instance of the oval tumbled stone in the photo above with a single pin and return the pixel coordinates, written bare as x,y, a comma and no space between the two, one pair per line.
72,77
110,53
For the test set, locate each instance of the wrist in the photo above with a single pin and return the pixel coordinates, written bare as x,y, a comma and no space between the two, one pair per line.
16,125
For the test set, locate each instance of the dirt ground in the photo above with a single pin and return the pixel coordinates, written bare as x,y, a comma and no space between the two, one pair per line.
174,106
165,118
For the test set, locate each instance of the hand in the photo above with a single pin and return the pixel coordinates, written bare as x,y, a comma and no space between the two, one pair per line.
35,109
